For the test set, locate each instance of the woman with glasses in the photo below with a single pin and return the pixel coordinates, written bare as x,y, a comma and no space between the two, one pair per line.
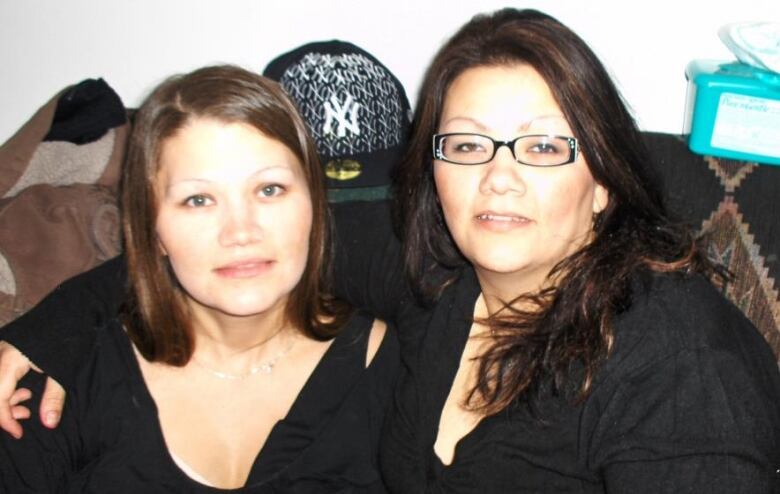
560,333
575,343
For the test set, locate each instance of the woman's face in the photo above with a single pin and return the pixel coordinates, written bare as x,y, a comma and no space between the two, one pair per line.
234,217
511,221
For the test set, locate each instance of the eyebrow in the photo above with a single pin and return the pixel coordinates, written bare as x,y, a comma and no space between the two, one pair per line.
256,173
522,126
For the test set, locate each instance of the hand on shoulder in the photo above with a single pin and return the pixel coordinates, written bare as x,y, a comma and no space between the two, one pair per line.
13,367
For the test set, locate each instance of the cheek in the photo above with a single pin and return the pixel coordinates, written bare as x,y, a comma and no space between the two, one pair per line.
454,189
302,215
569,203
171,246
304,235
165,235
181,239
294,223
184,254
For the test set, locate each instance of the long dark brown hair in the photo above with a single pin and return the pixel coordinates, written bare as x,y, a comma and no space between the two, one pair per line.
570,324
156,314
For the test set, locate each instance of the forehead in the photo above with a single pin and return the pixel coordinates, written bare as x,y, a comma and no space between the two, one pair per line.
500,96
211,145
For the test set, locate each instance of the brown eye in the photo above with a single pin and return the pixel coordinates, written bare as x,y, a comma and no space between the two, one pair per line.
465,144
544,148
469,147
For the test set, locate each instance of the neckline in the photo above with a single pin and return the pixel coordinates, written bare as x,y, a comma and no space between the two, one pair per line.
297,412
457,308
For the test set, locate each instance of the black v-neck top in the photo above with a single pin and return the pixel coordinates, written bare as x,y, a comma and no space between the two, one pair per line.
110,438
688,401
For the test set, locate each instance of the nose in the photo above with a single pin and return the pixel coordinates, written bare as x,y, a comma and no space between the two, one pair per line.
240,224
503,174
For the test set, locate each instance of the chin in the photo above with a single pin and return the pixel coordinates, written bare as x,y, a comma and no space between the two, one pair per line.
249,307
244,303
501,269
500,260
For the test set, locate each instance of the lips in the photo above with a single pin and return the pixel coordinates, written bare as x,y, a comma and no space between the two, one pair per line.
501,221
245,268
503,217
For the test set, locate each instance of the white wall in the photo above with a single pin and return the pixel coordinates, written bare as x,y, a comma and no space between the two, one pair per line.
48,44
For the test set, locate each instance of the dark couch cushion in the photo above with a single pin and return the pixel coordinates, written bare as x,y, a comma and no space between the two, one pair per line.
734,204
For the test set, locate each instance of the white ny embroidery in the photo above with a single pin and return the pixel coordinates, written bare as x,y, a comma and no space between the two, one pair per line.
335,111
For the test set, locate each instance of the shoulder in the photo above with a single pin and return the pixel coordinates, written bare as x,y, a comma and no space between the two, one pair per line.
688,375
110,364
383,349
372,340
684,312
674,291
680,327
375,338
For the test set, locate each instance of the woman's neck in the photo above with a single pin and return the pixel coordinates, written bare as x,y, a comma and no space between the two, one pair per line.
236,343
499,289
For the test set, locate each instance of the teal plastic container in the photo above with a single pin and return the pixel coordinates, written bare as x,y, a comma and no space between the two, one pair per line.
733,111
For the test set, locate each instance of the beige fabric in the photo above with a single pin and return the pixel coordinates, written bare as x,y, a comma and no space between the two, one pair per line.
65,163
49,234
26,160
58,209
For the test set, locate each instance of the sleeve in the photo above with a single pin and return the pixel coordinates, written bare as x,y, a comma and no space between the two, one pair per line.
53,333
698,421
41,460
368,268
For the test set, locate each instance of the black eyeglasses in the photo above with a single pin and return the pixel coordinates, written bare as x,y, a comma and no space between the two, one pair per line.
531,150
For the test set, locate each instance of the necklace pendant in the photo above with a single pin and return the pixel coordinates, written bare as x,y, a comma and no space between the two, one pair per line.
265,367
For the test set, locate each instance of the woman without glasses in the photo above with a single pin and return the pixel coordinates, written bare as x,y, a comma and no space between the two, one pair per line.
229,367
571,341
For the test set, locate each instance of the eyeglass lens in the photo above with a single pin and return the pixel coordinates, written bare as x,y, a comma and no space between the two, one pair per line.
538,150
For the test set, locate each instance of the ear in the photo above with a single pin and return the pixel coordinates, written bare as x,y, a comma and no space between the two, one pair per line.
600,198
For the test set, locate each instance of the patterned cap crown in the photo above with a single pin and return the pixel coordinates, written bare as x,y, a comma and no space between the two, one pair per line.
356,109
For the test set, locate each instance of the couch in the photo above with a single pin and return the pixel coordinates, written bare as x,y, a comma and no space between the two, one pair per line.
58,204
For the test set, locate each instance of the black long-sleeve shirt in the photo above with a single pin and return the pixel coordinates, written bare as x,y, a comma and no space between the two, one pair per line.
689,400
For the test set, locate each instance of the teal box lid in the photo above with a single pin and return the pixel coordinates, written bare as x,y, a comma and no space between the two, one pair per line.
733,111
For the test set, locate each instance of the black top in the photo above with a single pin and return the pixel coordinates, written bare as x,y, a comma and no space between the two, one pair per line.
689,401
110,438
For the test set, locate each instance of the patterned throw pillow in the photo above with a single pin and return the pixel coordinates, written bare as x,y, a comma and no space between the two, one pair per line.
58,180
735,204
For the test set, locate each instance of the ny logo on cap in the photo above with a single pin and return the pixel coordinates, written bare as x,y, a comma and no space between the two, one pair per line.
346,116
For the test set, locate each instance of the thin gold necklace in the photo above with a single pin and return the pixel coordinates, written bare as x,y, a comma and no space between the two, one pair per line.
266,367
